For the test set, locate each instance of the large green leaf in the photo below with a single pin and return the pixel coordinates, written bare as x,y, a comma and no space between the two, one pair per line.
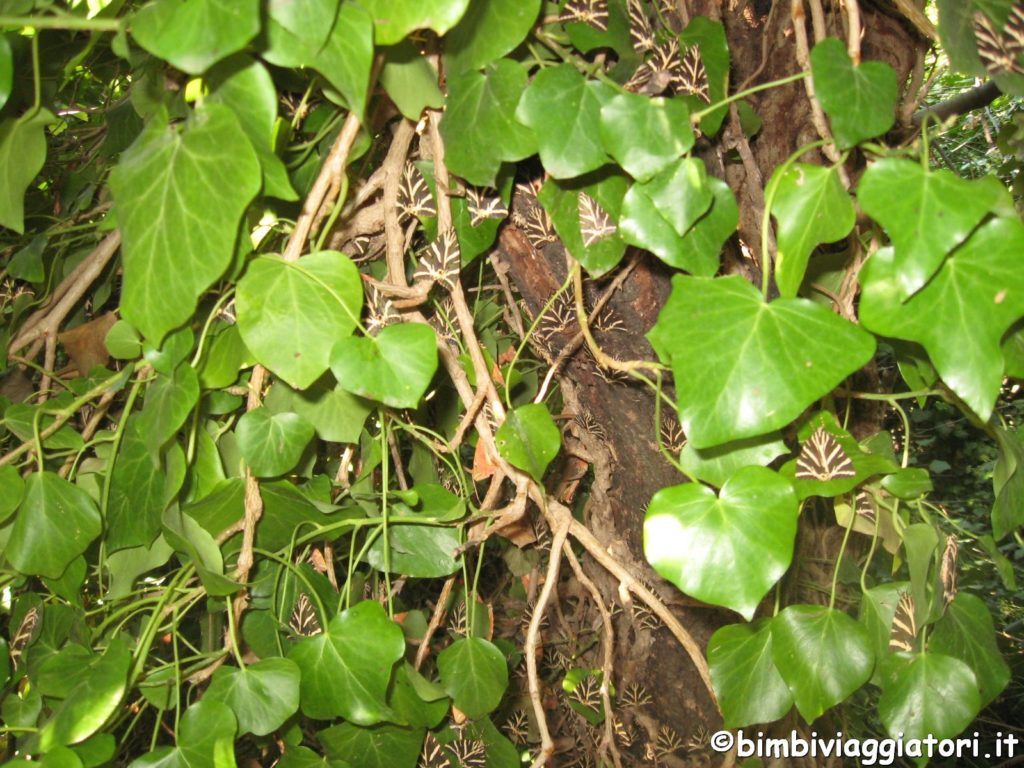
204,725
561,199
394,368
749,687
475,674
529,439
262,696
962,313
488,31
170,254
877,608
681,193
932,695
860,99
190,539
716,465
12,489
645,135
56,522
89,703
418,551
344,672
478,128
926,213
385,746
291,314
965,632
744,367
337,415
822,654
169,401
272,443
564,110
692,537
394,19
811,207
410,79
194,34
1008,483
22,154
956,31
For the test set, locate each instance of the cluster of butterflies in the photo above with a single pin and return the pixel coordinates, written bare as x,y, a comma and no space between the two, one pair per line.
468,753
665,67
822,458
1000,50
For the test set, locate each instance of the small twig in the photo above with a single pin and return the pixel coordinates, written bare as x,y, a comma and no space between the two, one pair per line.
467,419
394,166
853,33
803,57
436,618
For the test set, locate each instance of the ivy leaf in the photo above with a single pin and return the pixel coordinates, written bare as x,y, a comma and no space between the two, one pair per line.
860,100
189,538
564,110
56,522
561,199
956,30
681,193
12,489
529,439
716,465
714,54
337,415
170,255
394,368
932,695
394,19
692,537
169,401
909,483
749,687
22,154
195,34
272,444
960,316
474,673
410,80
926,213
262,696
744,367
644,135
418,551
965,632
204,724
822,654
1008,483
877,608
478,129
487,32
343,674
6,70
811,207
385,746
290,314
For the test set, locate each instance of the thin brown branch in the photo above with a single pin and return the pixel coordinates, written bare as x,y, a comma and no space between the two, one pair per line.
803,56
853,31
394,166
440,610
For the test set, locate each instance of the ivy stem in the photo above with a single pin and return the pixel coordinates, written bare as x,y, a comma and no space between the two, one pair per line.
232,633
700,114
839,562
891,397
384,480
37,85
61,22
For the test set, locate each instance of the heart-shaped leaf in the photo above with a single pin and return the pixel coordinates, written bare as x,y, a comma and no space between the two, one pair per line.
272,444
170,257
291,314
860,99
169,401
909,483
749,687
529,439
394,368
394,19
932,695
692,537
56,522
811,207
343,674
681,193
716,465
419,551
204,725
194,542
488,31
962,313
645,135
262,696
22,154
822,654
744,367
564,110
195,34
337,415
475,674
384,746
926,213
965,632
562,202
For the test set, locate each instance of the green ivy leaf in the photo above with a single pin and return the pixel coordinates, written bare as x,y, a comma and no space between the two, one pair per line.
290,314
410,80
272,444
343,674
692,537
529,439
681,193
6,70
716,465
714,55
203,725
488,31
1008,483
475,674
744,367
811,207
408,702
418,551
190,539
385,746
822,654
909,483
965,632
169,401
749,687
645,135
302,757
22,154
12,489
877,608
564,110
394,19
337,415
170,256
926,213
262,696
561,199
960,316
956,30
56,522
477,238
394,368
478,129
860,100
195,34
932,695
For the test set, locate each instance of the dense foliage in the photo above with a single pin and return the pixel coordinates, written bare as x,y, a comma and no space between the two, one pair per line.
277,441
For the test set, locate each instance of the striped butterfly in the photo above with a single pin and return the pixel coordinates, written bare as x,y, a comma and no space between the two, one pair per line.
440,263
537,226
904,625
690,76
1000,51
640,32
24,636
414,199
591,12
595,223
822,458
866,507
304,619
947,570
484,207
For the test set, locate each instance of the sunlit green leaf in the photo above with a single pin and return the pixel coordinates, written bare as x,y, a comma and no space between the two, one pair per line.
474,673
394,19
859,99
932,695
419,551
716,465
488,31
203,725
749,687
561,199
22,154
272,443
384,746
965,632
194,34
169,401
410,80
645,135
12,488
262,696
394,368
337,415
529,439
